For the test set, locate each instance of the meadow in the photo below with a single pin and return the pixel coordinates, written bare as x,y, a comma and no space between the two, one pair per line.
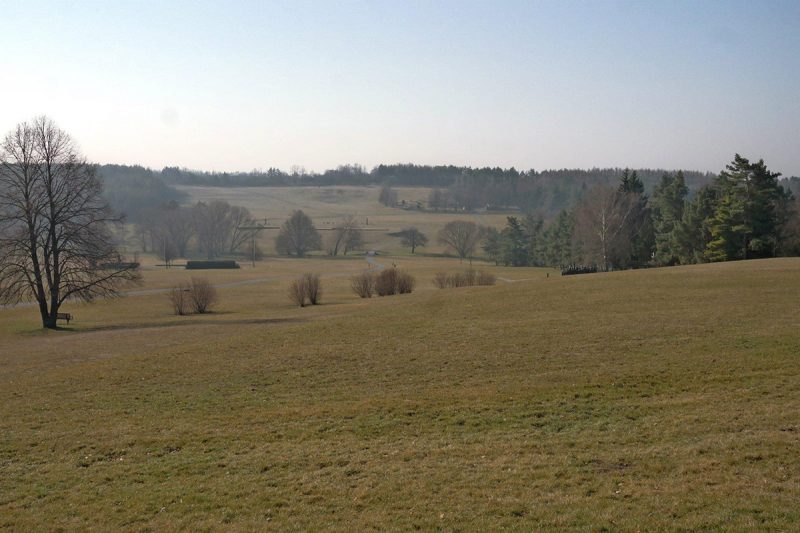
328,205
656,399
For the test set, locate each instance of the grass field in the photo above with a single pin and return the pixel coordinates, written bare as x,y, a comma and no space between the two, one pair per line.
328,205
640,400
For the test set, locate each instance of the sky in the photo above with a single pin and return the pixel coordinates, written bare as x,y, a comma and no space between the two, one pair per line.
224,86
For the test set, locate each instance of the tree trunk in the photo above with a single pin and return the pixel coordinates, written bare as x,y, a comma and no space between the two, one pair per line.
49,319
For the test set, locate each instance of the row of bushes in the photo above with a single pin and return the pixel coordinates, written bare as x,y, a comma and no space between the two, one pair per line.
468,278
384,283
199,296
195,296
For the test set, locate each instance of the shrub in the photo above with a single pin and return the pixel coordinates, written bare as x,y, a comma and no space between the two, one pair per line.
202,294
179,298
485,278
363,284
405,282
386,282
297,291
469,277
313,287
457,280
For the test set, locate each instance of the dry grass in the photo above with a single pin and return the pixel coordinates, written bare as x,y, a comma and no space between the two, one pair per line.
329,205
661,399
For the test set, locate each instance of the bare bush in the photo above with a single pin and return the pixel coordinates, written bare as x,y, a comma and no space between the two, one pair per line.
297,292
405,282
469,277
313,287
485,278
363,284
457,280
386,282
203,295
179,298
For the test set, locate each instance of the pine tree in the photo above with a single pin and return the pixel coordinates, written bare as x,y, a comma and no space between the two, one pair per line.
750,214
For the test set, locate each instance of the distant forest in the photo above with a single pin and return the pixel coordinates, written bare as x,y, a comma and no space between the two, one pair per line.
131,189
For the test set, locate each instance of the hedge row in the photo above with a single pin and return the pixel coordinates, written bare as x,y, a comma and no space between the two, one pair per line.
206,265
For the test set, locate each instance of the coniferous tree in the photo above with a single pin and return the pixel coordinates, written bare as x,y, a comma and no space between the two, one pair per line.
750,212
534,229
493,245
766,212
558,239
693,232
669,199
640,222
514,243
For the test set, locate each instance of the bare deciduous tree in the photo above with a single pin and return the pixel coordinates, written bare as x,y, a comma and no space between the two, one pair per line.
178,226
55,237
346,236
604,224
241,224
298,236
412,238
221,227
462,236
387,196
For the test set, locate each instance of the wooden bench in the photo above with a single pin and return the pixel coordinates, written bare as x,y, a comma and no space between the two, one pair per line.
64,316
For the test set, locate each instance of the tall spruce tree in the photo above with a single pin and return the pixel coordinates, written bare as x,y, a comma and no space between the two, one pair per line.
669,199
514,243
767,211
641,225
558,240
693,231
534,231
493,245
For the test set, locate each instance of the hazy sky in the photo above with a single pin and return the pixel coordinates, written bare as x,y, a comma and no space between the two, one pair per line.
243,85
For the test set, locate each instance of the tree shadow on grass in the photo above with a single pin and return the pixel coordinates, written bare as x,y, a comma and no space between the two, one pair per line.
184,323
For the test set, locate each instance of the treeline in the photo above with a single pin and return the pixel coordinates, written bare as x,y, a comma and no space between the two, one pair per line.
210,229
133,190
457,188
745,212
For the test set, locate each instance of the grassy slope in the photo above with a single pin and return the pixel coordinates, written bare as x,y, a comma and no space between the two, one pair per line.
327,206
646,399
